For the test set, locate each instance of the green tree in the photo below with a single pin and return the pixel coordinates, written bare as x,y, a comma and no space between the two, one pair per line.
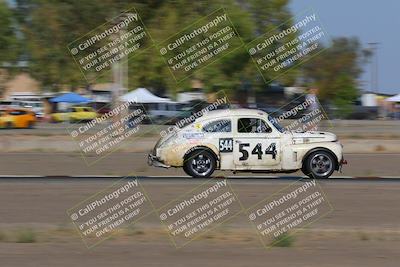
8,42
346,93
335,72
272,17
48,26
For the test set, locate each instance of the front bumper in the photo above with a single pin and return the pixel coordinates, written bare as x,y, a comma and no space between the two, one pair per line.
156,162
341,163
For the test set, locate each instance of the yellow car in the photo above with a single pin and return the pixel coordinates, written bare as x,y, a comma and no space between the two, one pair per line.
75,114
17,118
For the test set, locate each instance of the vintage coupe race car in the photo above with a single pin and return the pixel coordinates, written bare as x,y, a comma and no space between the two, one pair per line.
246,140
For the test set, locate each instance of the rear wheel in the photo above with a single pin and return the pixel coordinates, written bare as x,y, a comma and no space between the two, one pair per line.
319,165
9,125
199,163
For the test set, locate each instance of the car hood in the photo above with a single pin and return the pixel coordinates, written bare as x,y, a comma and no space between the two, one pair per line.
312,137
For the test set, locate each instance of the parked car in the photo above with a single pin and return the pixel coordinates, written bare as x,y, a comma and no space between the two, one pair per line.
363,113
17,118
394,115
75,114
35,106
9,104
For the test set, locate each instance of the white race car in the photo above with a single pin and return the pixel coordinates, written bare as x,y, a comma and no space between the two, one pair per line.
246,140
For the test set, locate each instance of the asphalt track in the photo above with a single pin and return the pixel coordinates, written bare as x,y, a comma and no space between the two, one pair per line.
188,179
363,228
123,164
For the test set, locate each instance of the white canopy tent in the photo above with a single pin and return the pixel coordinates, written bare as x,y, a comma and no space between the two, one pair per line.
395,98
144,96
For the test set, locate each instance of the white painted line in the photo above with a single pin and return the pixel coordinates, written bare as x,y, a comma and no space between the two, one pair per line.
188,177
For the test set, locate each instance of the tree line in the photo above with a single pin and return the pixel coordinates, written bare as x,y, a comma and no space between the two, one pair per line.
38,32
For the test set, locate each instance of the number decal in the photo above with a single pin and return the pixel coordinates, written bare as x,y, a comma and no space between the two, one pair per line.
257,150
225,145
271,150
245,154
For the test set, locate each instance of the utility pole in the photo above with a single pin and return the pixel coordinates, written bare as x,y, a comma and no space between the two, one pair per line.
119,74
374,67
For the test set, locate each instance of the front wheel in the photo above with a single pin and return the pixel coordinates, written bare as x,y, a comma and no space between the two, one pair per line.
319,165
200,163
9,125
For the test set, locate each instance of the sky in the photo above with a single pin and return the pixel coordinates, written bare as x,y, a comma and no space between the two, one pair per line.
370,21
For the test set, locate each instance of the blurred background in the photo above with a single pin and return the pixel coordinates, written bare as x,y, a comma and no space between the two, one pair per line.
354,76
44,96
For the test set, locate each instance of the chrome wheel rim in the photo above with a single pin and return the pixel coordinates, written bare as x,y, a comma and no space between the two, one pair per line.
321,164
201,164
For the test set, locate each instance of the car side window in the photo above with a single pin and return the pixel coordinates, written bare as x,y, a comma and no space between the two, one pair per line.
218,126
17,112
253,125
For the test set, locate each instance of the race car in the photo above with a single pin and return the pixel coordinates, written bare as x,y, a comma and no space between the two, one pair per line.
246,140
17,118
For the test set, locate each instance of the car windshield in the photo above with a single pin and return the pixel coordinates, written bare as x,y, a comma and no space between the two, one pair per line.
275,123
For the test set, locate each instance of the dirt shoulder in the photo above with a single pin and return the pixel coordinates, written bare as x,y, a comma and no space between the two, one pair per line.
362,229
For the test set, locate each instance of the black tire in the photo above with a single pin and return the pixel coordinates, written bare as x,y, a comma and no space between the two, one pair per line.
31,125
9,125
319,165
304,169
200,164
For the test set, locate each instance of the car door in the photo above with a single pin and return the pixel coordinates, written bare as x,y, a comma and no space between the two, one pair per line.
256,144
3,118
218,132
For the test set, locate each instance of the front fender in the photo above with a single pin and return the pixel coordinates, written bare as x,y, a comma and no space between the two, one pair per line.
175,155
298,153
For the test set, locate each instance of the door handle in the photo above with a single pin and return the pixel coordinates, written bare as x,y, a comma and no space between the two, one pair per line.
238,142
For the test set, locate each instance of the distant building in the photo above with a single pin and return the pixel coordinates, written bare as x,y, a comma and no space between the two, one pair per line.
369,100
23,85
294,90
191,96
101,93
377,100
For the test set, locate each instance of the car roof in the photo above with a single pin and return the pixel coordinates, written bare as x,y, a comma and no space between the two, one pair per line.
232,112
